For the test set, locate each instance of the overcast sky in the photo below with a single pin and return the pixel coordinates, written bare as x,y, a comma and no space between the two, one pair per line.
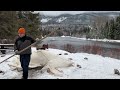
56,13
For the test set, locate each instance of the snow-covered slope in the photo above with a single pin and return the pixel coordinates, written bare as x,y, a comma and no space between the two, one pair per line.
83,18
45,20
61,19
86,66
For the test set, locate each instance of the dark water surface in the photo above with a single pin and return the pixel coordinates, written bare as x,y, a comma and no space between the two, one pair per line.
74,45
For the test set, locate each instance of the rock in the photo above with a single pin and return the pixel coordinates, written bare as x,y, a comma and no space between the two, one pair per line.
79,66
86,58
65,53
3,55
60,54
116,71
2,72
70,58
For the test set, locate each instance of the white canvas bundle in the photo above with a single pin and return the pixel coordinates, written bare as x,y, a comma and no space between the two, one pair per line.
44,58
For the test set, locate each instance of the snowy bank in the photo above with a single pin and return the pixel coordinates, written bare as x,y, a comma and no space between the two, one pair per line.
86,66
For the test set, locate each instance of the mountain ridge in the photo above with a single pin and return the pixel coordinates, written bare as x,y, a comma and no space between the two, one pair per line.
82,18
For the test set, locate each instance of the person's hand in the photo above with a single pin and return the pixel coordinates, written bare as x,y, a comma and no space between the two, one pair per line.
17,52
38,41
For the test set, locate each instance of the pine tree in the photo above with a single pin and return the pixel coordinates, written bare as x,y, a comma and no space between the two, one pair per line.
31,22
112,29
7,24
11,21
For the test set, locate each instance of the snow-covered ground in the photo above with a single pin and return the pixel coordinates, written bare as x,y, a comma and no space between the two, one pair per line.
104,40
86,66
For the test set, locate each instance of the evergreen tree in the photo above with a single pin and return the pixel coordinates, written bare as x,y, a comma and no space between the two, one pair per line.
11,21
8,26
31,22
112,29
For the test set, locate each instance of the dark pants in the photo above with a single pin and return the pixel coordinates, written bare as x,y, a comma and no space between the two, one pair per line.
25,60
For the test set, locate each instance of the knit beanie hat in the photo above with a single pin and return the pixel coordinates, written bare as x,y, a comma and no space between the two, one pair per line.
21,31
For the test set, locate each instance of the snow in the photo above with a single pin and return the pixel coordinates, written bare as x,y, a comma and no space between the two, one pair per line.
61,19
92,67
113,16
104,40
45,20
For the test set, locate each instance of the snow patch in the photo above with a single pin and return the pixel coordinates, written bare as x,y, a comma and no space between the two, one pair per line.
61,19
45,20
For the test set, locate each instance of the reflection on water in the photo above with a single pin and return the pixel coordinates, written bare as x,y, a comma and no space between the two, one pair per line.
73,45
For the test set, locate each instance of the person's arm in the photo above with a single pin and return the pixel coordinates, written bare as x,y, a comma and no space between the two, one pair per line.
33,40
15,46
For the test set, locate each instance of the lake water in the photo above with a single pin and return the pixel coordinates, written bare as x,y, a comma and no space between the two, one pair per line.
74,45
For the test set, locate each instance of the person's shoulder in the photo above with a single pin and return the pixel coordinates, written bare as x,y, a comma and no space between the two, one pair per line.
29,37
17,38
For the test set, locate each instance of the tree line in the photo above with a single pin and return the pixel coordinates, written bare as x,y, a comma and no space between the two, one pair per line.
11,21
111,30
100,28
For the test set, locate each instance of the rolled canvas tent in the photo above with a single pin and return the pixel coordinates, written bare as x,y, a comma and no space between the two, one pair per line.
45,59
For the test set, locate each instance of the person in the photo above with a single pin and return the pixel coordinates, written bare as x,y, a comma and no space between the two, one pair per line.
22,42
